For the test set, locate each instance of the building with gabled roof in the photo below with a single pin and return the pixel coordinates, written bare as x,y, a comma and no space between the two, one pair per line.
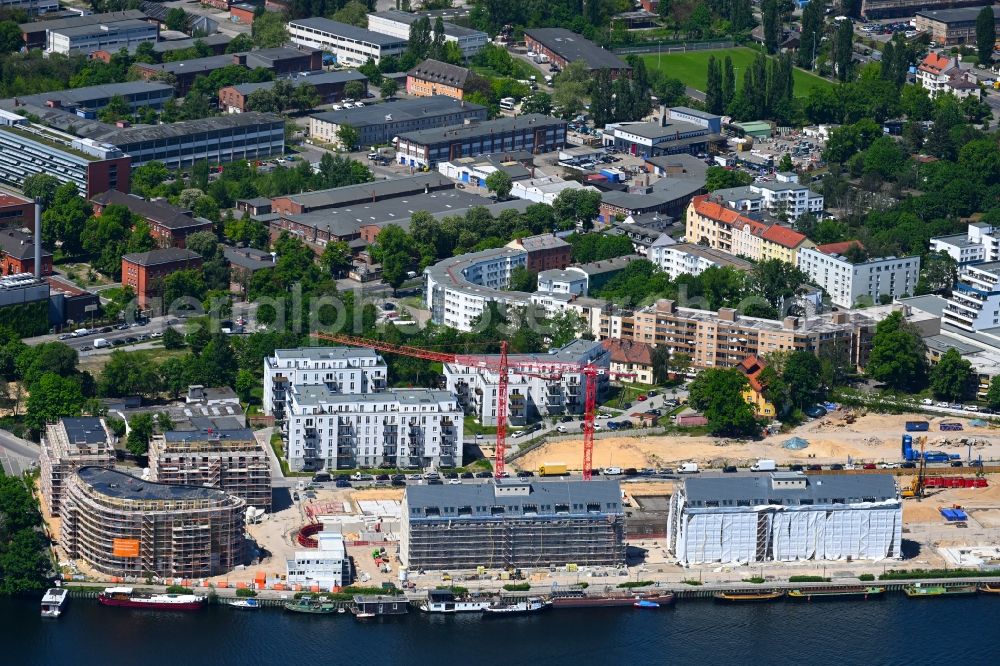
433,77
751,367
632,359
168,224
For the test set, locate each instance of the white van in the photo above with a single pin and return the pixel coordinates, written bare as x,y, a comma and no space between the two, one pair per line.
687,468
101,342
764,466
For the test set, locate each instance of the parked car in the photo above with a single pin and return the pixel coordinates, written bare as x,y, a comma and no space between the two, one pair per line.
435,482
729,469
642,398
908,465
957,463
343,483
815,468
868,466
451,475
795,468
836,466
483,475
814,411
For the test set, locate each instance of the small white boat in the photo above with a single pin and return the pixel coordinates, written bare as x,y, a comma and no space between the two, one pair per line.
361,615
53,601
445,601
249,603
523,607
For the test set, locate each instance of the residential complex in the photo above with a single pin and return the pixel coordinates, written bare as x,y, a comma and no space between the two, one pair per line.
230,460
785,517
351,45
144,271
121,525
459,289
714,225
433,77
693,259
397,24
948,27
632,360
979,243
542,387
562,47
850,283
530,132
545,251
169,225
347,370
940,74
782,197
67,446
512,524
974,303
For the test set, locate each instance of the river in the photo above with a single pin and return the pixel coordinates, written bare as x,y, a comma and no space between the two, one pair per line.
893,630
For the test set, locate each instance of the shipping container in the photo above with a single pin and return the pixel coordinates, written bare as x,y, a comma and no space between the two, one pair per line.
552,469
917,426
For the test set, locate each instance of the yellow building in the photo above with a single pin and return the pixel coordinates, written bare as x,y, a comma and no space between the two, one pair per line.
752,366
710,223
433,77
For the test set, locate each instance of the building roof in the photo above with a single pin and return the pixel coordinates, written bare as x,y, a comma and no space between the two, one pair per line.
248,258
629,351
313,78
103,28
608,265
399,110
161,212
9,199
348,31
704,115
572,47
129,135
57,25
111,483
374,190
540,242
19,245
718,257
716,211
752,366
757,489
516,497
936,63
84,430
958,15
839,248
498,126
164,255
671,128
783,236
210,434
408,18
327,353
445,73
217,39
90,94
322,394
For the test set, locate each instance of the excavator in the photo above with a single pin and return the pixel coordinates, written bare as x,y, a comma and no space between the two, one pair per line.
916,487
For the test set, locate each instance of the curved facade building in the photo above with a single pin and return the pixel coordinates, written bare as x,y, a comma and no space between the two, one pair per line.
124,526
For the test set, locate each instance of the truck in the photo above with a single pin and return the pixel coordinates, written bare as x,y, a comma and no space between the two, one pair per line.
936,456
552,469
763,466
687,468
917,426
101,342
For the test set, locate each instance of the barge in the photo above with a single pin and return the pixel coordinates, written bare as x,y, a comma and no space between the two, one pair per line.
843,593
126,597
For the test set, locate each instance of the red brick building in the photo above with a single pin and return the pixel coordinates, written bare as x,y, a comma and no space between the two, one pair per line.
17,253
545,252
145,271
562,47
169,225
16,211
242,13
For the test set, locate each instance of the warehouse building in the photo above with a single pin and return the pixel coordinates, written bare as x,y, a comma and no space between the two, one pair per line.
785,517
230,460
112,37
948,27
35,33
350,44
125,526
86,102
563,47
512,524
397,24
67,446
349,195
883,9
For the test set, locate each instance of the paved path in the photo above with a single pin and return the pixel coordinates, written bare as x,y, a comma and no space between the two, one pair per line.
17,455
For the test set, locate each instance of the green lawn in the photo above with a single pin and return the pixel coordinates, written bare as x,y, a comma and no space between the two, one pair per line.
692,68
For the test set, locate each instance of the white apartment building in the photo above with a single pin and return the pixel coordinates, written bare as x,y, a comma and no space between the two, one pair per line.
397,24
939,74
347,370
571,281
112,37
679,258
851,284
784,195
325,567
546,390
350,44
975,302
414,428
459,289
980,242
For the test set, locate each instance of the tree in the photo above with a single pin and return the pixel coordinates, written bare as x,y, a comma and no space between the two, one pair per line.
245,384
268,30
128,374
718,394
172,338
347,136
952,377
802,376
538,102
41,187
176,19
10,37
147,178
354,89
579,206
812,32
771,17
897,357
728,82
714,98
500,183
521,279
785,163
388,88
843,50
720,178
63,221
140,430
420,39
393,249
24,561
337,258
52,397
240,43
986,34
993,395
353,13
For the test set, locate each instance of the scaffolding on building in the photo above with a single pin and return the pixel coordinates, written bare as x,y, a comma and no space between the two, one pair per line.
66,448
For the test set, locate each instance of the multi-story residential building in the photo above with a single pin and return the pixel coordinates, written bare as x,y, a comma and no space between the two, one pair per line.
979,243
563,281
17,253
125,526
693,259
562,47
326,429
543,388
724,338
351,45
512,523
530,132
851,283
67,446
630,359
545,251
347,370
144,271
975,301
940,74
328,85
169,225
380,124
459,289
230,460
717,226
433,77
948,27
784,196
85,39
397,24
27,149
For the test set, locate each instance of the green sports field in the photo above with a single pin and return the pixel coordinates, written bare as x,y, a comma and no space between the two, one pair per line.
692,68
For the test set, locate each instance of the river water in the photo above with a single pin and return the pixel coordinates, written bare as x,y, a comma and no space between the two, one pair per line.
893,630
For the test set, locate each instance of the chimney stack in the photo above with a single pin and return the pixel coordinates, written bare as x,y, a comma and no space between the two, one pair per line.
38,239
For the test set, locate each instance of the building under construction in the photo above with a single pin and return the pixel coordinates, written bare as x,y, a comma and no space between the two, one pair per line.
68,445
510,523
124,526
231,460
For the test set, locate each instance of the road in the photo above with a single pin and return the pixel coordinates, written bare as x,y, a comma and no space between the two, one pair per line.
17,455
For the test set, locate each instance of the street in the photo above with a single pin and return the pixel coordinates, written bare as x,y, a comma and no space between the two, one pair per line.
17,455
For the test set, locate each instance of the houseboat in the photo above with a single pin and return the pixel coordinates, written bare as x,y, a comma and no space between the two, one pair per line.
54,601
446,601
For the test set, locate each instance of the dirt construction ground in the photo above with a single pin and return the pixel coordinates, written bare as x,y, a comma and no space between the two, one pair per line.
832,439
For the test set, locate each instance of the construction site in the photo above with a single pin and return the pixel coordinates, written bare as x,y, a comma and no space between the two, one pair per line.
67,446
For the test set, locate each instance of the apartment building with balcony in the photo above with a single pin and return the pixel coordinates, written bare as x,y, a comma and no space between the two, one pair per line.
459,289
413,428
784,196
345,370
974,304
723,338
850,283
530,395
67,446
979,243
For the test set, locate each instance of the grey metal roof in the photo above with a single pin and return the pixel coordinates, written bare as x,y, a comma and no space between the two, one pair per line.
161,256
247,257
718,257
348,31
544,497
237,435
821,489
326,353
90,19
104,28
657,131
84,430
138,134
608,265
90,94
498,126
217,39
572,46
111,483
161,212
450,29
401,110
376,189
320,394
314,78
957,15
695,112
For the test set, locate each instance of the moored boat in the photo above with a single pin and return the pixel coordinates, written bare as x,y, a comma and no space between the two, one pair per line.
577,599
820,593
308,604
741,597
990,588
919,591
446,601
248,604
522,607
128,598
53,601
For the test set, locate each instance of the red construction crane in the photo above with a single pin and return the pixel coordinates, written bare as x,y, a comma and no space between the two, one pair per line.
502,366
